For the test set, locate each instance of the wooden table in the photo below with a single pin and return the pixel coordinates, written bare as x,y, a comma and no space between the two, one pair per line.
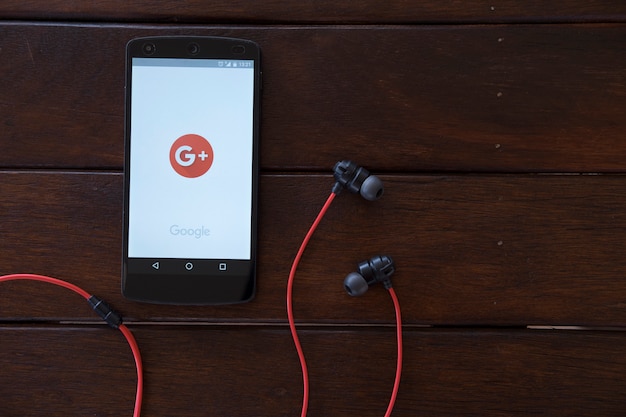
500,132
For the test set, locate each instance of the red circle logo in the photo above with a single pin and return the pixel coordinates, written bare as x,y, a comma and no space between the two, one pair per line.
191,155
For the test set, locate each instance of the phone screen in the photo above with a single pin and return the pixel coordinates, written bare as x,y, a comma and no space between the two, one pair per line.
191,159
191,179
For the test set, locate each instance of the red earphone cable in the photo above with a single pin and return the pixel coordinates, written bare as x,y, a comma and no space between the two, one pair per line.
292,325
106,311
396,384
138,364
49,280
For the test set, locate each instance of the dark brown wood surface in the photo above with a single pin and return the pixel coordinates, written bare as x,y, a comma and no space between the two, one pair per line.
324,11
471,249
498,129
237,371
517,98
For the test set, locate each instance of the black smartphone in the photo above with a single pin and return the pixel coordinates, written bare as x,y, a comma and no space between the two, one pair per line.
191,170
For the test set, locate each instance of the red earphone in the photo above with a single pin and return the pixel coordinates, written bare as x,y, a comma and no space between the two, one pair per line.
379,268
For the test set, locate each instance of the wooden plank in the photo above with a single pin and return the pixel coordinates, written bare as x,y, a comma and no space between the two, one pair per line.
321,11
511,98
59,371
470,250
200,371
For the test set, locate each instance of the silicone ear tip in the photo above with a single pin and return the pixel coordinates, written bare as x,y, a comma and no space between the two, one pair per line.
372,188
355,284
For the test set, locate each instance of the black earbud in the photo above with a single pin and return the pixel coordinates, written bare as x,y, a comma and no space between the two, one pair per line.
377,269
357,180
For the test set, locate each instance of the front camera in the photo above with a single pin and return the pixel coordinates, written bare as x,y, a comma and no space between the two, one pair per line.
149,48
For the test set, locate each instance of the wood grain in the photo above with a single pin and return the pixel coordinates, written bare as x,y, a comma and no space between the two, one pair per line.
512,98
498,129
470,250
207,371
320,11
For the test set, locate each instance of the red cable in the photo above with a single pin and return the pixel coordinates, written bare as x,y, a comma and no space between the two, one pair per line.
122,328
138,364
50,280
292,325
396,384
